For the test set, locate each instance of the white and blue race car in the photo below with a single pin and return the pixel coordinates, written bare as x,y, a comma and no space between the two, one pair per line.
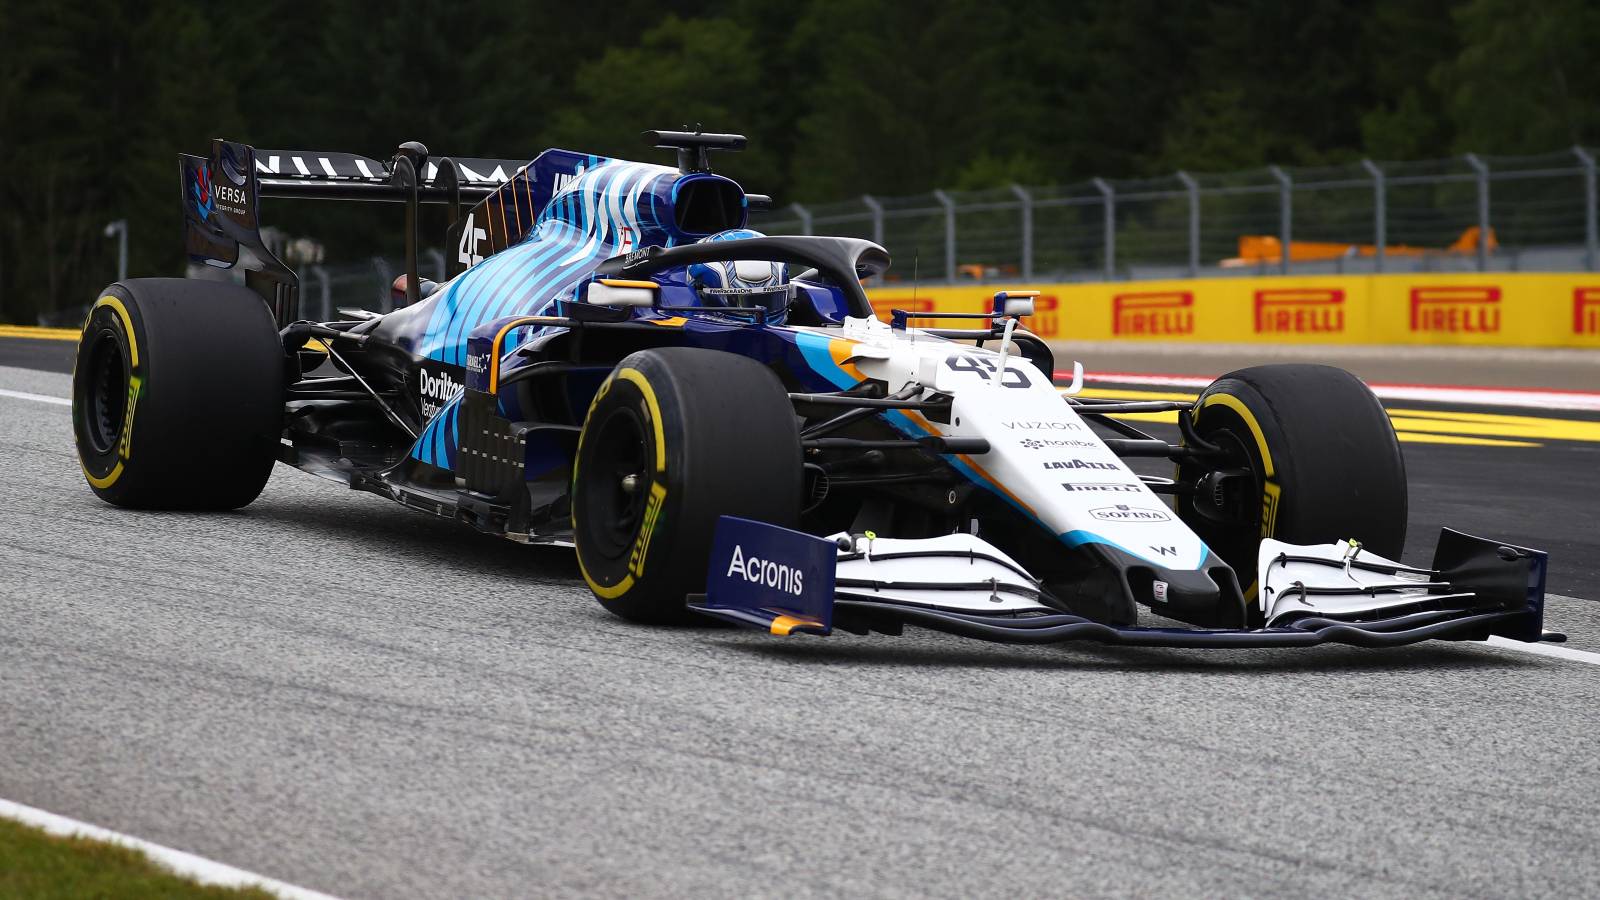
719,425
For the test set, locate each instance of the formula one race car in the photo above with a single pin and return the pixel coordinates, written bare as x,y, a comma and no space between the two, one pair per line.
722,428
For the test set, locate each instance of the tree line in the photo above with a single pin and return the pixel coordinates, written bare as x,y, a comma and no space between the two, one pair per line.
839,97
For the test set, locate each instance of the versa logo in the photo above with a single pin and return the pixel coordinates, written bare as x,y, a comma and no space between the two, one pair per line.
1456,310
1153,313
1300,311
1586,310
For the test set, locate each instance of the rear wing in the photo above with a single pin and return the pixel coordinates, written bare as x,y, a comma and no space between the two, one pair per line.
222,194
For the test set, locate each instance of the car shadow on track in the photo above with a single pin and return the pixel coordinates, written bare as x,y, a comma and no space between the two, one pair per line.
417,535
879,651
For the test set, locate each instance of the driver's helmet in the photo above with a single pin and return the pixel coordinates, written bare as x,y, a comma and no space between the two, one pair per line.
744,283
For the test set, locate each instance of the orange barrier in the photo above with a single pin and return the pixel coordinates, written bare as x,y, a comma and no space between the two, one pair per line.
1489,308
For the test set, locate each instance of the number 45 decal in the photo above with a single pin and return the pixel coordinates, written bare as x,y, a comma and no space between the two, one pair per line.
985,367
468,249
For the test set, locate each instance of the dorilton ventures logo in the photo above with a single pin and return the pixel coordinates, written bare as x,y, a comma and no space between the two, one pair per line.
1586,310
1468,309
1153,313
1300,311
433,391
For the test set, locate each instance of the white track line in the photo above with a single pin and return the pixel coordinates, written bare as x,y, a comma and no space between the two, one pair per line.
1554,651
1479,396
196,868
37,398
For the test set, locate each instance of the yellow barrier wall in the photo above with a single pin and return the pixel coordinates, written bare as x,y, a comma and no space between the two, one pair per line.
1495,309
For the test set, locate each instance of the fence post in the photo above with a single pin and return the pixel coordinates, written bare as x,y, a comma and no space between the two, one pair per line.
1380,213
1108,196
949,235
876,209
804,216
385,284
1285,216
119,230
1026,201
1482,171
321,274
1193,187
1591,229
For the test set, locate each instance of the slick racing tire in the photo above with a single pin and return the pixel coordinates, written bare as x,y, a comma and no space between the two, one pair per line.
177,394
1310,457
674,439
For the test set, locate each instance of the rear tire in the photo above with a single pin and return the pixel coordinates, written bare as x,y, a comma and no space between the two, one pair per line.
1322,460
674,439
177,395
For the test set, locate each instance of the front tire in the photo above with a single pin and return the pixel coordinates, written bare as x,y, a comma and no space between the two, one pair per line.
177,395
1311,458
674,439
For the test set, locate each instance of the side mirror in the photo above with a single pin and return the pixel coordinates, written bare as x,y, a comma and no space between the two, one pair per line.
1011,304
620,292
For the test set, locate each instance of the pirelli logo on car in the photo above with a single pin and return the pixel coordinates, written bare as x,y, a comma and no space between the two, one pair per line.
1299,311
1586,310
1153,313
1464,309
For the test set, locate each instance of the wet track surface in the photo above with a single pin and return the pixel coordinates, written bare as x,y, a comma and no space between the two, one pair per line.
331,690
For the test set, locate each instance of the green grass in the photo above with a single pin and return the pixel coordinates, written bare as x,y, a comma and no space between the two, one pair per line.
38,866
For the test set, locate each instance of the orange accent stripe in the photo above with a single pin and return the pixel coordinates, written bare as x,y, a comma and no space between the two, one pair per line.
787,624
674,322
841,350
623,282
494,350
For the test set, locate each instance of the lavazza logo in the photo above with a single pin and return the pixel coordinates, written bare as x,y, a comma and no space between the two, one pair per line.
435,390
1080,464
1047,444
765,572
1121,513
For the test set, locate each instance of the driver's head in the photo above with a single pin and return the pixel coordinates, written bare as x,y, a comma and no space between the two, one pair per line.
742,283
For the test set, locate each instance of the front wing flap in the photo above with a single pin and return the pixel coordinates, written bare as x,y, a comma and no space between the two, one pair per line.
785,582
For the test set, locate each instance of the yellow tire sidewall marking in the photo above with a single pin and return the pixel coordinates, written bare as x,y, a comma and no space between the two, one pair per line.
658,489
124,446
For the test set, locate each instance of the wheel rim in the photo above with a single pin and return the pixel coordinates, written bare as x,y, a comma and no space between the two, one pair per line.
617,483
105,392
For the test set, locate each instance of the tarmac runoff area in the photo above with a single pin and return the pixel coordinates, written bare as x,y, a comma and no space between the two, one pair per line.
334,692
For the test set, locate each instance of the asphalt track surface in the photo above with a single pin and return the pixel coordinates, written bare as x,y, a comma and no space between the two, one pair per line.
333,691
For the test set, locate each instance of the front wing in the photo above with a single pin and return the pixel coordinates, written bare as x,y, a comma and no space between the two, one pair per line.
785,582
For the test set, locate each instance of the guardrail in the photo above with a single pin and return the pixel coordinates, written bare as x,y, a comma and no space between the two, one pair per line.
1466,213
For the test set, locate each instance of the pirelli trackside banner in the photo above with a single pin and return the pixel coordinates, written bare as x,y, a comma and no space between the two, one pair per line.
1496,309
